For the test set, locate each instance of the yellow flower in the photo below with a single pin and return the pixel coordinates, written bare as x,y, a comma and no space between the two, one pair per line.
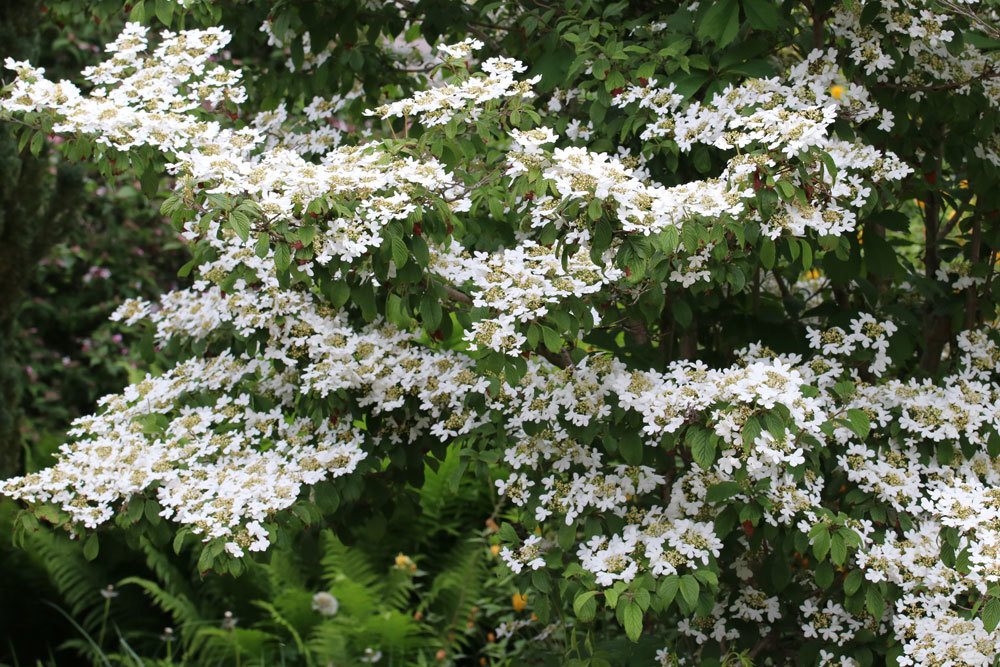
495,549
519,601
964,184
836,91
404,562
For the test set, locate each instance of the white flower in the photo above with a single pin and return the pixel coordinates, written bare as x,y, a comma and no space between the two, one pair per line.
325,604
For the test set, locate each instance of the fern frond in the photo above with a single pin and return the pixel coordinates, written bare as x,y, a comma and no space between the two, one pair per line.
76,579
247,647
458,587
169,576
343,563
180,608
279,620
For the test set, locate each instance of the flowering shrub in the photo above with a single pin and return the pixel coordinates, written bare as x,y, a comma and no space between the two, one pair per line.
663,291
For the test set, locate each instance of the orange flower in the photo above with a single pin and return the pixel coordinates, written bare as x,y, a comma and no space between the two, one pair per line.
519,601
495,549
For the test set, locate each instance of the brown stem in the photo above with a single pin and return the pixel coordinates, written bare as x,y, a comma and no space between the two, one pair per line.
937,327
782,287
689,341
560,359
457,295
954,219
637,330
818,18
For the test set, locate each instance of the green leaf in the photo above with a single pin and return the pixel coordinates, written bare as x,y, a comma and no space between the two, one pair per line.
707,576
632,621
595,209
682,312
611,595
282,256
363,296
164,11
689,589
240,224
859,422
138,13
762,14
338,293
585,606
507,533
702,446
720,23
838,549
667,588
91,547
430,312
36,143
567,535
552,340
602,235
824,575
874,602
394,311
821,544
767,253
179,540
880,256
400,253
263,245
630,446
722,491
852,582
786,190
991,615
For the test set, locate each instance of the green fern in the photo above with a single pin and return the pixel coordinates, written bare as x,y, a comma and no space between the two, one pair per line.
457,590
78,582
180,608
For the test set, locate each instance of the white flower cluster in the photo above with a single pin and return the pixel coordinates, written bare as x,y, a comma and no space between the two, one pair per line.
221,466
143,98
926,59
581,175
147,108
317,134
771,121
438,105
866,333
909,46
958,274
519,285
